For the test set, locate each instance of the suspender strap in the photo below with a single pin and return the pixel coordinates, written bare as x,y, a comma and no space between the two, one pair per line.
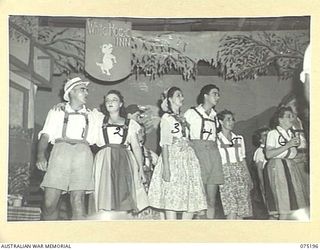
105,125
125,131
224,146
104,130
289,150
65,120
202,122
236,146
65,124
85,134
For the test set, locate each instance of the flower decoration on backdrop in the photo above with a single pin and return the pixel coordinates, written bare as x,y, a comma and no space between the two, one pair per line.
155,57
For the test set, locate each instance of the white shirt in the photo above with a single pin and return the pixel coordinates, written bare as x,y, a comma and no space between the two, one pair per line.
279,137
195,122
75,126
259,156
231,150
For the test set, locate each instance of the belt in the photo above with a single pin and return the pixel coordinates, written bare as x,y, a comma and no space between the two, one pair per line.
205,141
112,145
71,141
302,150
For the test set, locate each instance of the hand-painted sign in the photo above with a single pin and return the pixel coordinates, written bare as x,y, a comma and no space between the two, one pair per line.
108,50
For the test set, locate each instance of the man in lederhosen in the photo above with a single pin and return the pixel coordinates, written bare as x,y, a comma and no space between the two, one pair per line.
69,168
203,124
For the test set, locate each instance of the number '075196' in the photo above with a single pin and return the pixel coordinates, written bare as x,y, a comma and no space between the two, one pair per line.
309,246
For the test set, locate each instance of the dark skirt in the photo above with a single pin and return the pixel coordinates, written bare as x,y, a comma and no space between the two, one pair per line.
284,189
302,163
117,185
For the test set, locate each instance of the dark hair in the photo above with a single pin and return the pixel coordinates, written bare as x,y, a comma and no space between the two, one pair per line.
205,91
221,115
132,108
286,99
279,114
256,137
170,94
122,111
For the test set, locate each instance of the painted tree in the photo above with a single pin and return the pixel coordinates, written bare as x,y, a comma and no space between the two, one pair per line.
239,56
155,57
249,56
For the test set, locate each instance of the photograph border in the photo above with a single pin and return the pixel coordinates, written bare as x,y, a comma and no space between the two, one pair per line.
163,231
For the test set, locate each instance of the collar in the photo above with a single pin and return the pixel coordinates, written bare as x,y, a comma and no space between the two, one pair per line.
284,133
71,110
212,114
225,139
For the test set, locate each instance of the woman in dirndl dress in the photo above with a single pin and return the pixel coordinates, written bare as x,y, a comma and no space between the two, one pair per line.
302,158
235,192
176,185
284,187
118,171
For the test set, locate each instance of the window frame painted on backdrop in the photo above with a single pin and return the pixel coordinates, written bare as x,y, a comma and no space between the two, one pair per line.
25,104
27,70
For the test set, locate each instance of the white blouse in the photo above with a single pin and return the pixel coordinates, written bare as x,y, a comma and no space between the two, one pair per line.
259,156
279,137
231,149
169,128
116,132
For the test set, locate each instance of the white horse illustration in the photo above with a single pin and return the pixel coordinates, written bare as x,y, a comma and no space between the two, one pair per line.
108,59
